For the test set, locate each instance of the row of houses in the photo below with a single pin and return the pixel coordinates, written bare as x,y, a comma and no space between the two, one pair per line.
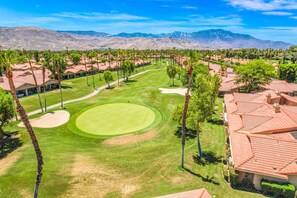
261,129
25,85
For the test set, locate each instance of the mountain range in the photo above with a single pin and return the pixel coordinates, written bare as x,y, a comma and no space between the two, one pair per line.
43,39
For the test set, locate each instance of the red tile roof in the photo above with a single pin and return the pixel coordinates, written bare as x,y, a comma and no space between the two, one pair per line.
261,140
201,193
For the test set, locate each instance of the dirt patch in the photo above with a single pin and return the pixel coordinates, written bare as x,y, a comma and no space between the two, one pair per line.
9,161
131,138
180,91
50,120
95,180
25,193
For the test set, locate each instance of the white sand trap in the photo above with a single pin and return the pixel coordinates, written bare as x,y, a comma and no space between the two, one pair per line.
180,91
50,120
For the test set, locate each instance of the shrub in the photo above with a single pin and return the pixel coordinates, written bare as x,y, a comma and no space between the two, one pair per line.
233,177
278,189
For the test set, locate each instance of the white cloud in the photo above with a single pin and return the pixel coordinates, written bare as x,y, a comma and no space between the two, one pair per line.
278,13
190,7
261,5
97,16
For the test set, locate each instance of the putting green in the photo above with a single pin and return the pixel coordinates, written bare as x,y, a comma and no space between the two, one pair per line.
115,119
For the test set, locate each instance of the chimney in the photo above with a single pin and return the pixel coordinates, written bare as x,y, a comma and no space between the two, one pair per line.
276,108
268,98
1,79
277,93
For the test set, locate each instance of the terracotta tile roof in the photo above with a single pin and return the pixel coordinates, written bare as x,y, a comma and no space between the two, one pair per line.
282,86
270,156
201,193
241,148
262,141
291,169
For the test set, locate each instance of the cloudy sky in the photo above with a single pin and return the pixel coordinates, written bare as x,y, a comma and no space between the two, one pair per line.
264,19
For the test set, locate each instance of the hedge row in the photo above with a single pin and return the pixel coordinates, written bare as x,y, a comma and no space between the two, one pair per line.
277,189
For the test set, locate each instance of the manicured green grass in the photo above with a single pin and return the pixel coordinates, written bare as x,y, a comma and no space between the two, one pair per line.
72,89
115,119
150,168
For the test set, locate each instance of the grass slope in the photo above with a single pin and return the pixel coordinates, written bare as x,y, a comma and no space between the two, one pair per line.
80,166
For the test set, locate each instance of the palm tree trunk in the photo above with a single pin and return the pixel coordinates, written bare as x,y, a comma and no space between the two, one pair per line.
60,87
44,88
30,130
184,120
98,69
86,72
36,85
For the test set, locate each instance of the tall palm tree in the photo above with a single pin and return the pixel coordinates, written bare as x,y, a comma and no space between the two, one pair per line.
45,65
59,65
6,61
192,57
86,69
91,56
29,57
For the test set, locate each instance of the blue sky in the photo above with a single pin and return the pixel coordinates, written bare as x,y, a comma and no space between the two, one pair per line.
264,19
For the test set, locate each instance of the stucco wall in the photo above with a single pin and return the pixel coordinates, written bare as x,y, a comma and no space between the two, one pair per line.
293,180
257,180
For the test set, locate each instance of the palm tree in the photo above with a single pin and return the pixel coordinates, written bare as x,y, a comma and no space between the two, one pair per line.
92,55
6,61
45,65
29,57
59,65
86,69
192,57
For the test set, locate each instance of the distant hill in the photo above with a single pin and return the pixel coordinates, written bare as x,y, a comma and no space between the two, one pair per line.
37,38
43,39
89,33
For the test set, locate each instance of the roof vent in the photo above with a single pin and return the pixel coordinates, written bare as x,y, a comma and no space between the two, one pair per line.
276,108
1,79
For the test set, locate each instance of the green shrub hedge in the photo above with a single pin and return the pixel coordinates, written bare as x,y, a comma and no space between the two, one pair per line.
276,189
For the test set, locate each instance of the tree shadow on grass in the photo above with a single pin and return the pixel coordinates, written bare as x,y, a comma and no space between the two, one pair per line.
110,88
205,179
208,157
10,143
216,121
130,81
66,87
190,134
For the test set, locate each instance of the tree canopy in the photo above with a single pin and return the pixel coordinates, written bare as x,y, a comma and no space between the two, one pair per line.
75,58
127,68
7,109
107,75
288,72
171,72
254,74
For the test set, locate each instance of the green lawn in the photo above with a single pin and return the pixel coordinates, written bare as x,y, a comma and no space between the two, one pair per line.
115,119
77,166
72,89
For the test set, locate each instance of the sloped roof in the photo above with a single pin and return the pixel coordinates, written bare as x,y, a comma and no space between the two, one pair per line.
201,193
271,156
261,140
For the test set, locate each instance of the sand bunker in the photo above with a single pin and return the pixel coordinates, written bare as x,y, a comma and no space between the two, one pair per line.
180,91
50,120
